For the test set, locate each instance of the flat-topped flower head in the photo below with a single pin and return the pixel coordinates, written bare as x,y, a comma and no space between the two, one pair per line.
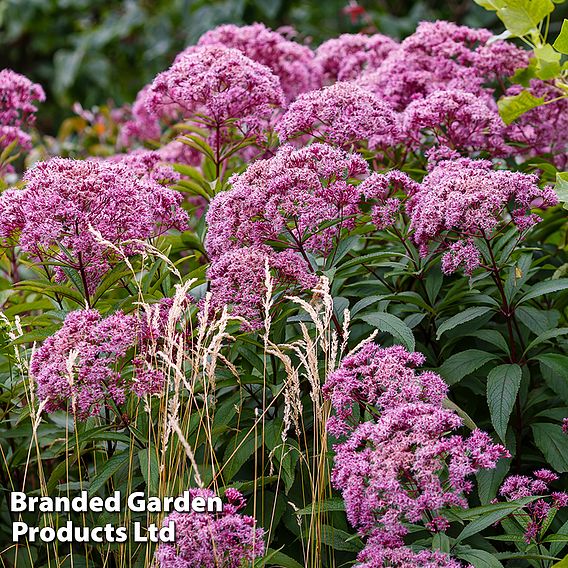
439,56
78,366
344,115
406,462
227,539
292,62
216,86
344,58
18,96
463,199
63,199
455,119
288,197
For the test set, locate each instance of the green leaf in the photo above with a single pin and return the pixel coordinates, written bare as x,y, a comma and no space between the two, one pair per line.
547,335
510,108
537,321
331,504
503,384
392,325
108,470
561,43
464,363
562,564
339,540
277,558
545,287
486,521
463,317
523,16
553,443
561,187
150,469
479,558
492,5
547,62
489,480
554,369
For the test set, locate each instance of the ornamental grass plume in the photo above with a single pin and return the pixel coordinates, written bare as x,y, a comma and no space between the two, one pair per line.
405,464
217,87
344,58
18,96
344,115
292,63
79,365
457,120
53,216
227,539
464,199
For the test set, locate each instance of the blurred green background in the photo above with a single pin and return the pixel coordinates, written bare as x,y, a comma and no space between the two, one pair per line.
93,51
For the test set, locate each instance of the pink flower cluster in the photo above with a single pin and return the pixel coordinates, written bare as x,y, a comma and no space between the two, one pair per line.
404,464
542,130
439,56
347,56
212,540
342,114
17,109
217,87
141,124
455,119
292,63
519,486
281,201
80,364
118,200
464,199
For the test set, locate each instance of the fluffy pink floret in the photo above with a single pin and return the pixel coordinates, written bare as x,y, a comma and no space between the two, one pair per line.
439,56
455,119
63,198
142,124
344,115
18,96
468,198
212,540
237,279
78,366
293,63
216,86
345,57
406,463
287,197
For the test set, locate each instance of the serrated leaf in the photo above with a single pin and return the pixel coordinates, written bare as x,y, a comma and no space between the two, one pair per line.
110,467
464,363
561,187
553,443
547,62
523,16
510,108
150,469
463,317
331,504
545,287
392,325
479,558
339,540
561,43
503,384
